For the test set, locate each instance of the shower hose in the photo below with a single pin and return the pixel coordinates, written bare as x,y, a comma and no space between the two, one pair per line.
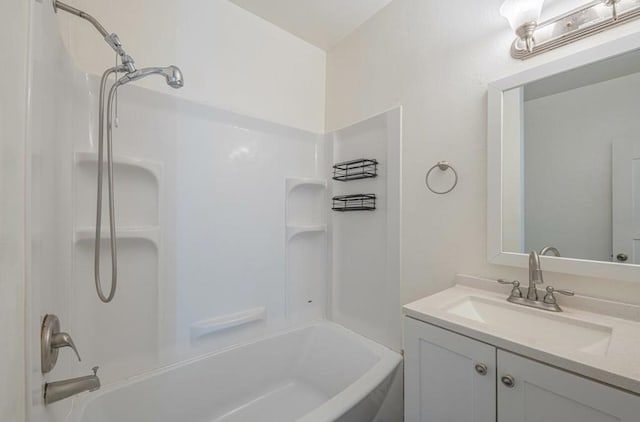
112,219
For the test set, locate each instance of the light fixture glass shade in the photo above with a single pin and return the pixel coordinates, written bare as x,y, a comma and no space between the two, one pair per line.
519,12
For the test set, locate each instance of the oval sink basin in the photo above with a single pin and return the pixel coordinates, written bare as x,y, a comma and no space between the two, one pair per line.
535,327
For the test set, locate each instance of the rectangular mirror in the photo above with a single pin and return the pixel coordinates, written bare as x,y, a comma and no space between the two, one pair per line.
564,164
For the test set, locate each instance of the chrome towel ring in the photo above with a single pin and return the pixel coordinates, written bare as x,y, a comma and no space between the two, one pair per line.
443,166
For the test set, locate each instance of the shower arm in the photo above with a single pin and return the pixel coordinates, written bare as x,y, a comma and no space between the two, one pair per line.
112,39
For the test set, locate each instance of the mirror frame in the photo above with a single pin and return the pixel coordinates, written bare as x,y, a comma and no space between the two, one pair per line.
495,252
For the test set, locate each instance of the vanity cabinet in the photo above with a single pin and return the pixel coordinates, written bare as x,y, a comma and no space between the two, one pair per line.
541,393
453,378
448,377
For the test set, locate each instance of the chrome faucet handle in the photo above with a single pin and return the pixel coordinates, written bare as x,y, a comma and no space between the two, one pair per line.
551,299
505,281
59,340
515,292
95,370
51,341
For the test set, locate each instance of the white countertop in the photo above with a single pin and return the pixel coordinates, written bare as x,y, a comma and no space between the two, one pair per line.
619,367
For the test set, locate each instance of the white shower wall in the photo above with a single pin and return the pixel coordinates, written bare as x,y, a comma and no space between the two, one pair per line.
230,220
365,246
200,196
58,110
13,44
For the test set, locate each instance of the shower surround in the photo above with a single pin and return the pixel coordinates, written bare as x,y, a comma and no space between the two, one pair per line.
225,233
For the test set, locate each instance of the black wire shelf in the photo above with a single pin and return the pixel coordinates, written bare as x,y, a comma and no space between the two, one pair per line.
357,202
361,168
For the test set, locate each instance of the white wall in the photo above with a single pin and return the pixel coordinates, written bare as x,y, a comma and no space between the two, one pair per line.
568,141
13,44
436,59
230,58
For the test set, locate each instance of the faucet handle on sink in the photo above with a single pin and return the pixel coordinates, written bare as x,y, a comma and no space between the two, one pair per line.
551,299
515,292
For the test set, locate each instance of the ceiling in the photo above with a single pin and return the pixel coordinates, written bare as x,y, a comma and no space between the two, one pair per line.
322,23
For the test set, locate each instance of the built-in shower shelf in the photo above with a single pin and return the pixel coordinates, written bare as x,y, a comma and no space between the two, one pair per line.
224,322
149,233
151,166
293,183
294,230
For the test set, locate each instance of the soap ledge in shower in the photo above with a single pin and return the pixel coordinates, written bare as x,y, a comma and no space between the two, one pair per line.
149,233
201,328
293,183
151,166
294,230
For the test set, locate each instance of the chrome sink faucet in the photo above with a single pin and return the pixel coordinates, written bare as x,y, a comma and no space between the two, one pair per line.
59,390
535,276
532,299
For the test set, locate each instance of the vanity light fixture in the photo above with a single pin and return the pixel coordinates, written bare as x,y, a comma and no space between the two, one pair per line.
523,16
535,37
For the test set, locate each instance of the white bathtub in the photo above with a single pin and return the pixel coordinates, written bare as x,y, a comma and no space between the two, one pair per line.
318,373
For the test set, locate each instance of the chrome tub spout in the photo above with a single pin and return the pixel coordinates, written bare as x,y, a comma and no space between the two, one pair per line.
60,390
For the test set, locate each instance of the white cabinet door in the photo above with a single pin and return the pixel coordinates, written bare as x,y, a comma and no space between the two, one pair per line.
442,383
541,393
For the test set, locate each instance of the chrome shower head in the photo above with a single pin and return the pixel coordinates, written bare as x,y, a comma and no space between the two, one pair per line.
172,75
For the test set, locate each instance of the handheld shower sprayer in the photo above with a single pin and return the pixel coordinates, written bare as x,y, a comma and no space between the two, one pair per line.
173,77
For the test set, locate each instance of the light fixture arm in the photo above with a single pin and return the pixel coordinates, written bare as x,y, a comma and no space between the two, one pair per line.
525,33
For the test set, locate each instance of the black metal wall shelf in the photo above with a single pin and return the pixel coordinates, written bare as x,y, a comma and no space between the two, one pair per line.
361,168
357,202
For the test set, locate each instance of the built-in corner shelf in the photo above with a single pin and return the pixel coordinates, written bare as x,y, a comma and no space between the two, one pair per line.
208,326
294,230
151,166
148,233
305,220
304,201
293,183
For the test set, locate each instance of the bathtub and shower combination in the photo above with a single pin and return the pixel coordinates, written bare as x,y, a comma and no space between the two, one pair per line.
318,373
309,369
